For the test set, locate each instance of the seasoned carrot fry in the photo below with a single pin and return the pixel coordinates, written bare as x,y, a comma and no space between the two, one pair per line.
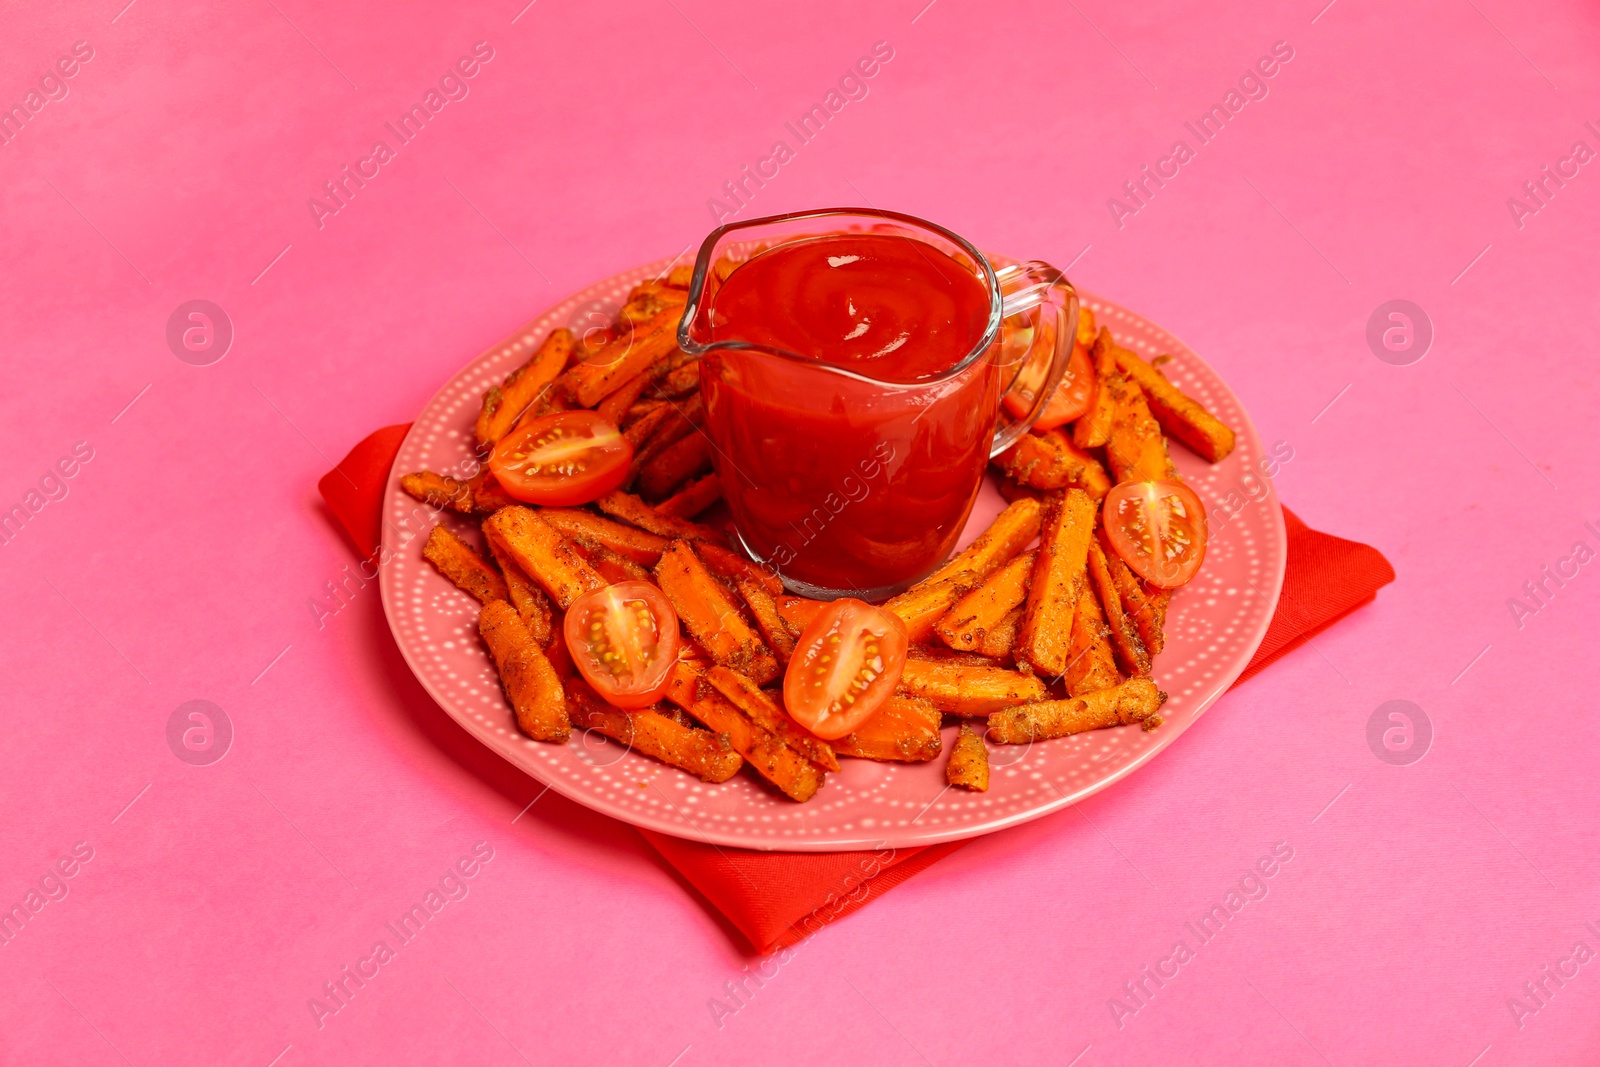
547,557
705,755
631,509
439,491
1091,665
674,465
1093,427
647,301
525,594
941,654
904,730
923,605
614,408
963,690
1181,416
632,542
640,410
693,498
606,370
764,610
1159,599
1049,460
488,497
681,276
531,683
1135,700
796,776
457,561
678,382
504,404
1147,616
968,766
731,566
678,422
1053,589
767,713
1012,490
797,612
611,566
1125,640
1000,641
711,618
1136,450
964,626
1007,535
1084,335
640,430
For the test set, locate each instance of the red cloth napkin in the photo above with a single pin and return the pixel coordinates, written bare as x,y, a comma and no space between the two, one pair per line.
779,898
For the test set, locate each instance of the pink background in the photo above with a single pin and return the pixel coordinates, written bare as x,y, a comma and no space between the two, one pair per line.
182,561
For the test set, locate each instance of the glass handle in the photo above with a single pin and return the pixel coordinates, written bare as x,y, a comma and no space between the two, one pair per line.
1037,288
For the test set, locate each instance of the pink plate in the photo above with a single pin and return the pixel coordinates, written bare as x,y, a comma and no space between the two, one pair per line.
1214,626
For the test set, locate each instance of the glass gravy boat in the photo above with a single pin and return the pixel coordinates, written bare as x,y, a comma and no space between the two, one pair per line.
844,484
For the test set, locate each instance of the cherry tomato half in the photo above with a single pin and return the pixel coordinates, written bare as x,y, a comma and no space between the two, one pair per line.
1074,395
571,457
847,663
1159,530
624,640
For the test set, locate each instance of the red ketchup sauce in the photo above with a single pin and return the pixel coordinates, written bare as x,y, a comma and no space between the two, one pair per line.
845,484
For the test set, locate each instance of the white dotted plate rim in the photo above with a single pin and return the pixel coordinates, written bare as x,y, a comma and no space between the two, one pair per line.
868,804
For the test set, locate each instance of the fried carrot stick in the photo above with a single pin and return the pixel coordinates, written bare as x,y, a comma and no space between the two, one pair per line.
1136,700
1012,490
677,382
1049,460
674,465
904,730
968,766
488,497
1091,666
547,557
1136,449
963,690
764,610
531,683
677,422
1148,616
632,510
640,430
1000,640
1053,588
963,627
504,404
457,561
611,566
440,491
1180,415
693,498
1007,535
524,593
732,566
796,776
767,713
614,408
797,612
706,755
711,618
681,276
606,370
1125,639
923,605
636,544
1093,427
